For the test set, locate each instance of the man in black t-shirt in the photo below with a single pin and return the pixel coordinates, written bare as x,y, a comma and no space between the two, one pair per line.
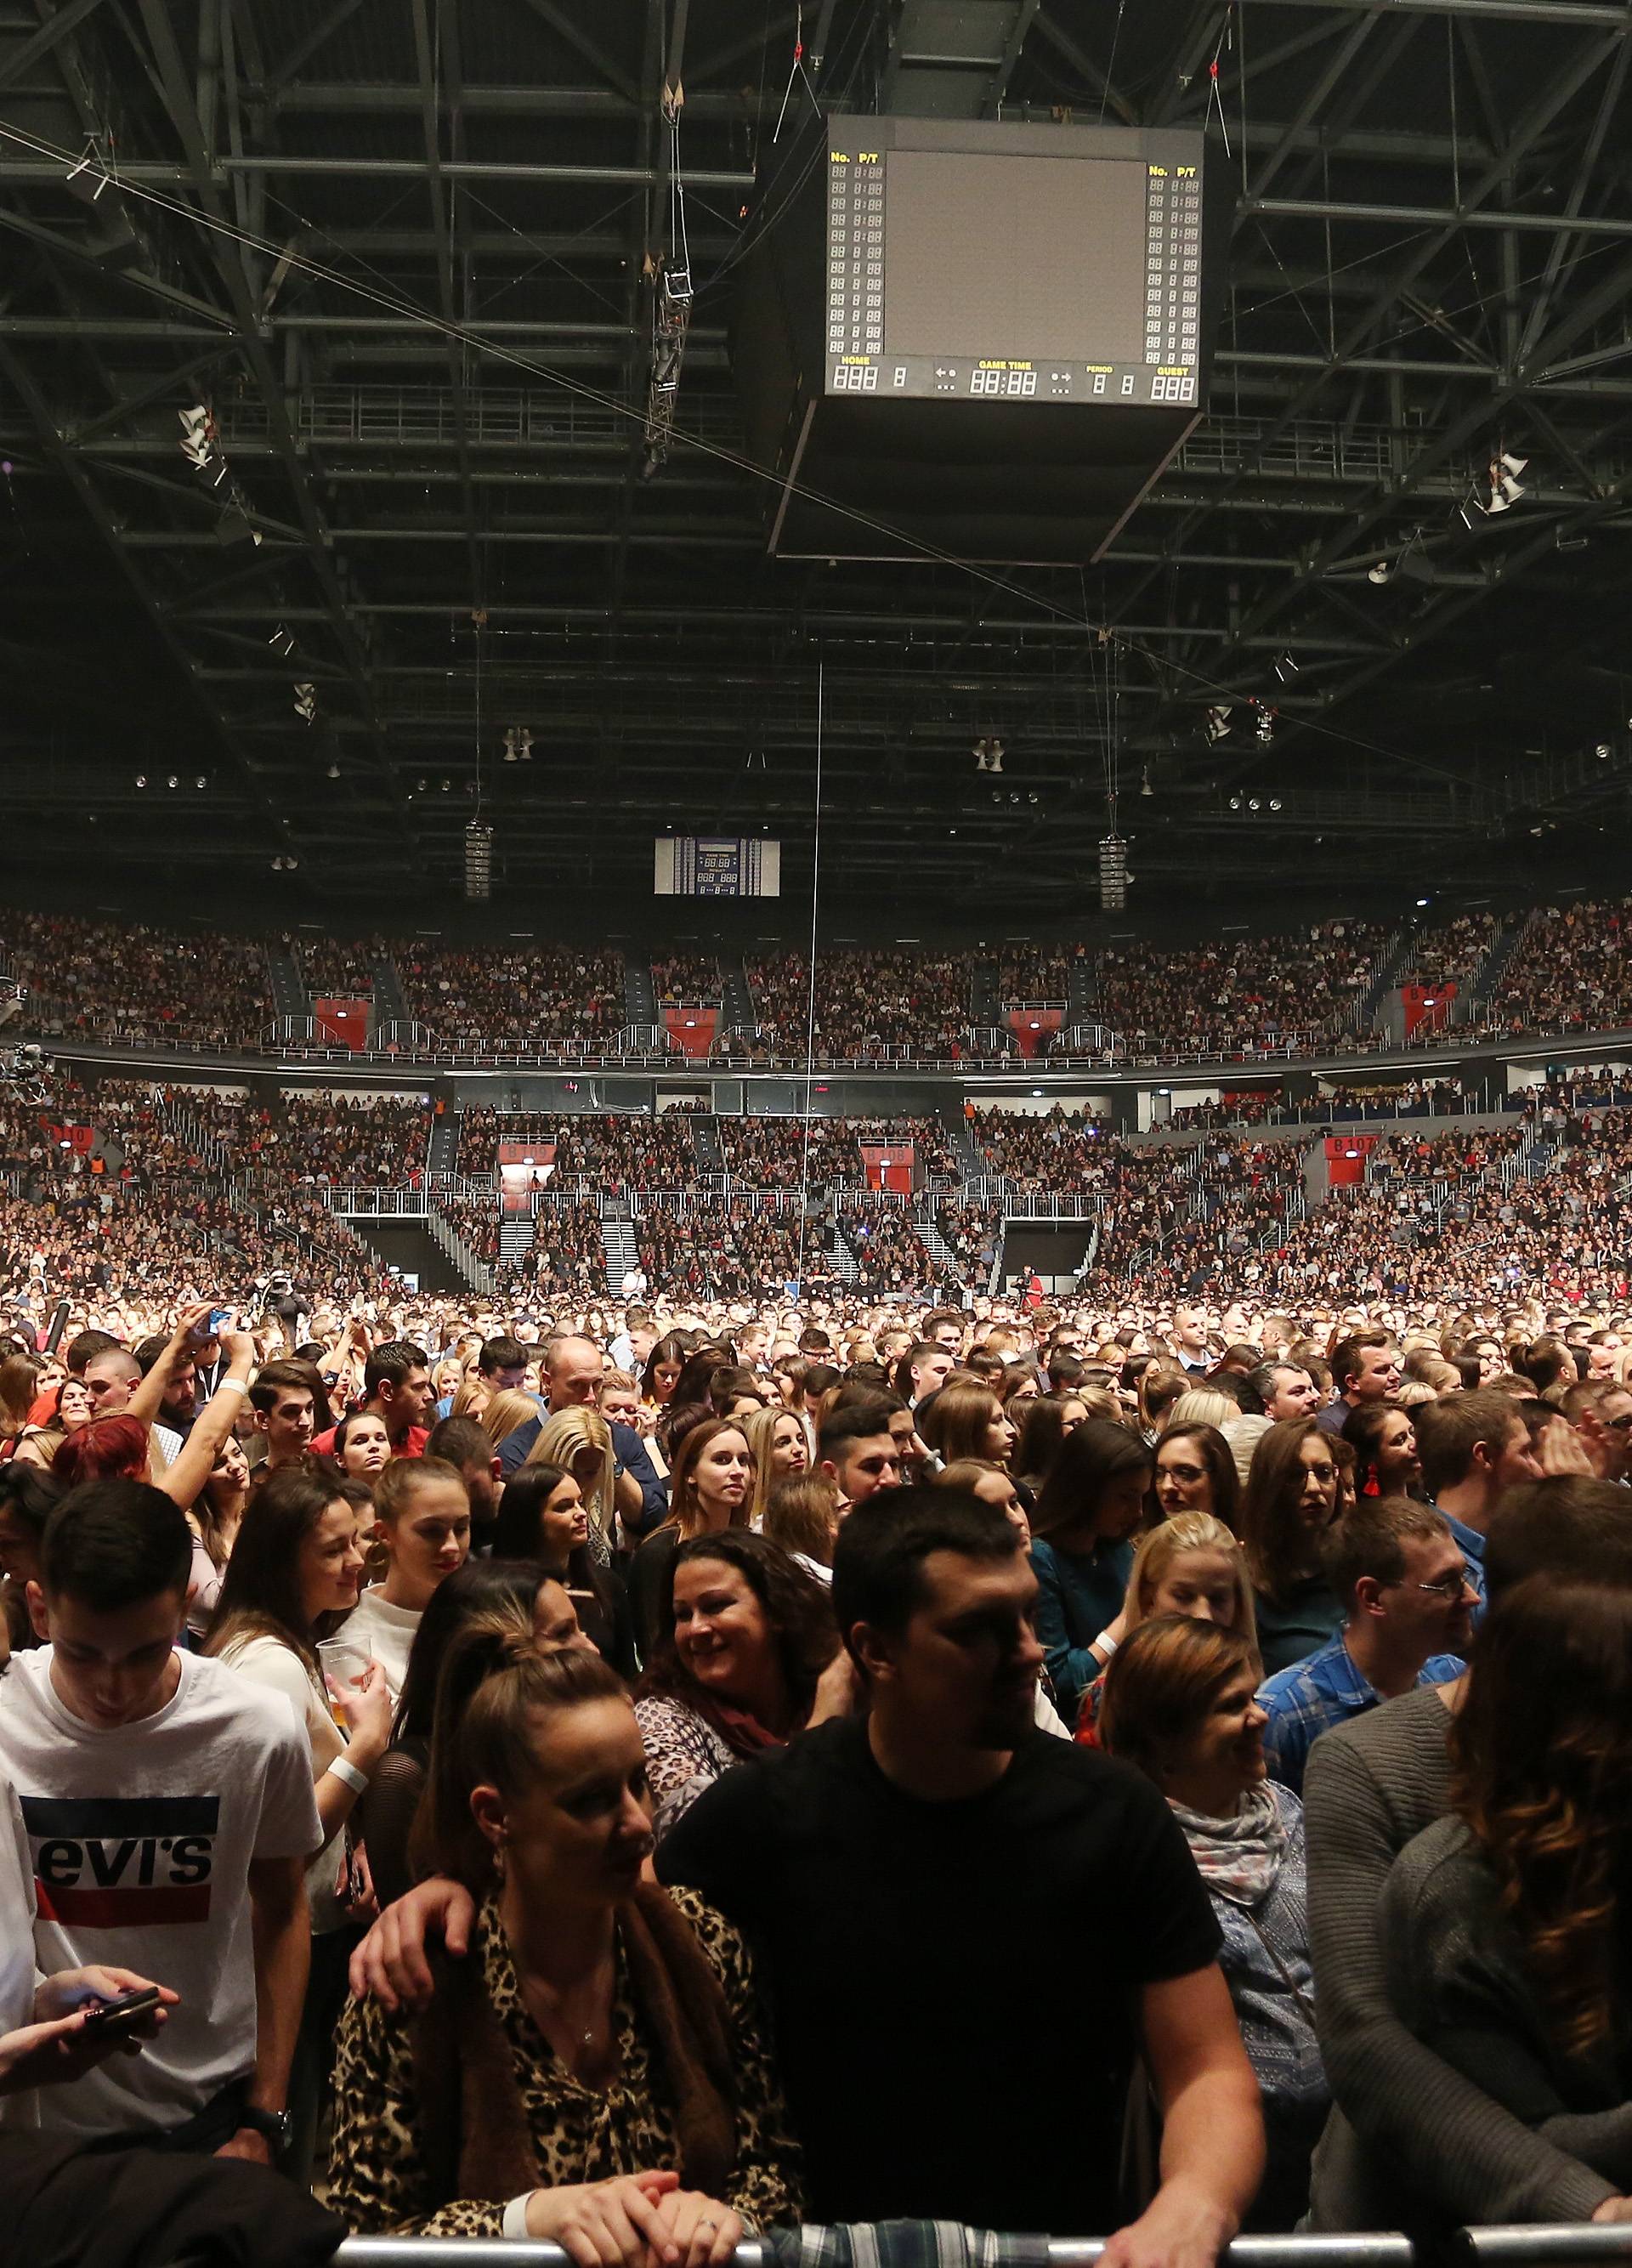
966,1928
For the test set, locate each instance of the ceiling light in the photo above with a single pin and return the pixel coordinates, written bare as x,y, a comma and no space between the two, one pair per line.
423,785
141,779
1274,803
1235,803
201,781
1144,784
1602,752
1511,464
1285,669
1217,722
282,640
333,772
447,785
305,703
1253,803
172,781
1380,573
1421,901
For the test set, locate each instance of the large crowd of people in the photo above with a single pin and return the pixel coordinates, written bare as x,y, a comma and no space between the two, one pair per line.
612,1764
1561,969
596,1727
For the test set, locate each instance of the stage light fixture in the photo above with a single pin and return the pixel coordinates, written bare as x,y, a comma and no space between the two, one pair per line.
1285,669
1235,803
1602,752
172,781
988,755
197,442
1253,803
1217,722
333,772
141,779
305,703
1144,784
202,781
1274,803
282,640
1380,573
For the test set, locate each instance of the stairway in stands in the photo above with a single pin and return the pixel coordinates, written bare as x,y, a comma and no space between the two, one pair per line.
965,1148
445,1131
941,1255
617,1238
1496,960
1395,961
843,1259
390,1006
640,997
515,1232
705,1135
737,1013
289,994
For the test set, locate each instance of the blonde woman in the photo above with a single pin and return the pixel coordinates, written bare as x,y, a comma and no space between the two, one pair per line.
578,1442
1191,1564
506,1413
781,1453
1199,1405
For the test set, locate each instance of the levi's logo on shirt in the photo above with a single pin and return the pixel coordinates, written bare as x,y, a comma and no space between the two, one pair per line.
122,1862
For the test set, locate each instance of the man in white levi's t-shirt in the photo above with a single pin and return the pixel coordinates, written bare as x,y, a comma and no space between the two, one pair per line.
168,1808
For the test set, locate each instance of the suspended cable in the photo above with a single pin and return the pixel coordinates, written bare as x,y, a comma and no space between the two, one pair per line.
810,1011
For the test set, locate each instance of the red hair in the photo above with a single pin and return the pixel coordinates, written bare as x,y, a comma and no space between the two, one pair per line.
103,1449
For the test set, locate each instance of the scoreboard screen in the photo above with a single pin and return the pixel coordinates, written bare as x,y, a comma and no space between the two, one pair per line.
993,262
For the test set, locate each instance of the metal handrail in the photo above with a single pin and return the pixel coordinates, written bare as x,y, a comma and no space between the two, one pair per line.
1521,2246
1362,2251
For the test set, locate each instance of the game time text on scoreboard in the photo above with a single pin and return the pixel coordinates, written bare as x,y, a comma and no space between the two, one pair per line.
1025,263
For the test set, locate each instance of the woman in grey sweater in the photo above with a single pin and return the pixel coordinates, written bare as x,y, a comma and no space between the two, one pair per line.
1180,1704
1500,1920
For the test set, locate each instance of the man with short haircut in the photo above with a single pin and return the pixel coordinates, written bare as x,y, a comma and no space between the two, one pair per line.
1411,2142
1285,1390
887,1865
112,1376
1189,1339
283,1401
857,1449
573,1369
178,1404
1474,1447
1365,1368
944,1327
397,1391
1408,1601
82,1347
924,1370
1066,1369
1600,1411
169,1809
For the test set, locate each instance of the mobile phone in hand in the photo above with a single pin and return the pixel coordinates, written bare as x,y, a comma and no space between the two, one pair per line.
125,2013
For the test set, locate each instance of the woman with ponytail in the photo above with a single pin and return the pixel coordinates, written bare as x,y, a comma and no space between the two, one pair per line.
592,2072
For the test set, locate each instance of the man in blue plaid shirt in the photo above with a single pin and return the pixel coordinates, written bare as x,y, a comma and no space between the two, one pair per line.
1409,1597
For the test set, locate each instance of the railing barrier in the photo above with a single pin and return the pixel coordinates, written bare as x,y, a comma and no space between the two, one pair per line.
1523,2246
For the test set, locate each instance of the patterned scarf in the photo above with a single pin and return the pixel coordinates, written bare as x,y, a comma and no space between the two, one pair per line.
1238,1857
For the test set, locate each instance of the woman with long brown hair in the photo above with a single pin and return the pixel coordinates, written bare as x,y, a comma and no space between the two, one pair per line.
593,2073
967,1421
712,1487
1505,1923
1290,1501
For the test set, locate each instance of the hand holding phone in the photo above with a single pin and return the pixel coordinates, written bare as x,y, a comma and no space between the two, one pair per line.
117,2018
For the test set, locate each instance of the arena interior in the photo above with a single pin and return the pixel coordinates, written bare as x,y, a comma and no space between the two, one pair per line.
816,1081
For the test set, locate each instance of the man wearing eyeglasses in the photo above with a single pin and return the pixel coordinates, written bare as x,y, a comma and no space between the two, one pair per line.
1408,1597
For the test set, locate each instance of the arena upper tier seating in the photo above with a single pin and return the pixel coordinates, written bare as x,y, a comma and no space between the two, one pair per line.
1331,990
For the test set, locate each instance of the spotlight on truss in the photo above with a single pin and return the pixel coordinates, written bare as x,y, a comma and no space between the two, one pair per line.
282,640
1217,722
1286,668
198,436
305,703
1382,572
988,755
518,745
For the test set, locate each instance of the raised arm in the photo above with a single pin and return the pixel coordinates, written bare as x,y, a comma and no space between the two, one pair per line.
184,1478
